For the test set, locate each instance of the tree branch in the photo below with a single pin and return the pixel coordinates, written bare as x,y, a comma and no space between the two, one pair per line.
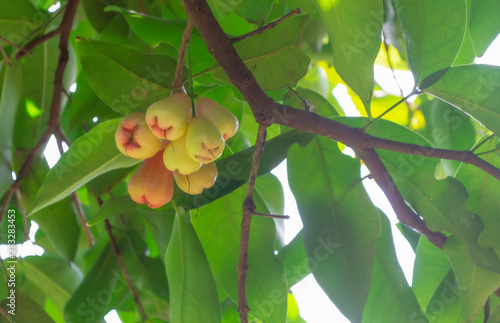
248,210
55,108
404,213
186,37
124,270
27,49
266,27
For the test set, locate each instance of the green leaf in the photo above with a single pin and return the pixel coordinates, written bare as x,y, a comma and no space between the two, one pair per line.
495,315
483,188
190,277
340,222
96,14
450,129
444,306
430,268
218,227
484,26
354,29
316,101
440,202
434,31
111,207
475,90
161,226
294,259
101,290
10,93
60,226
19,20
132,81
233,171
93,154
254,11
26,310
390,299
275,50
475,283
54,276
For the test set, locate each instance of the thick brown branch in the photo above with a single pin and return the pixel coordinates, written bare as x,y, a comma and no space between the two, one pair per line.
266,27
124,270
248,210
266,111
403,212
186,37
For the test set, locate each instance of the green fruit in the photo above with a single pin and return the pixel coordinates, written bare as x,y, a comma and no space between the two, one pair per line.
222,118
204,142
169,117
196,182
176,157
134,139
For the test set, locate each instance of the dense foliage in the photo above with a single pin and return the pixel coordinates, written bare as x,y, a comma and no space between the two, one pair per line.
436,157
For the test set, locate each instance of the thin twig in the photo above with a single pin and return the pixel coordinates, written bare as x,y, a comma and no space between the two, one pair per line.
186,37
395,105
248,210
5,57
27,49
16,46
141,6
482,142
266,27
26,231
403,212
305,103
124,270
83,221
266,215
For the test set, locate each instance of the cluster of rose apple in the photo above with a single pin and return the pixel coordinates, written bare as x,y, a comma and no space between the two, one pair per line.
174,145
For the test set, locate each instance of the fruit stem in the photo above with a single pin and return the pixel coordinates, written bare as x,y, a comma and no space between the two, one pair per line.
190,75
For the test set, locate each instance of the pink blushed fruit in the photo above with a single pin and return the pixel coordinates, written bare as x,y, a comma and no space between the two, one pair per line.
152,183
169,117
134,139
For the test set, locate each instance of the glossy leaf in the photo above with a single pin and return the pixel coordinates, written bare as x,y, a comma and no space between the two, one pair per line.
445,303
340,222
475,283
101,290
111,207
430,268
294,259
161,225
482,189
440,202
189,276
434,31
91,155
450,129
10,92
59,223
218,227
276,50
354,28
19,20
254,11
57,279
390,299
475,90
27,310
133,80
484,26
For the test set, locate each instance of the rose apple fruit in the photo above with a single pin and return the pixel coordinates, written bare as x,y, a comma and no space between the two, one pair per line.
196,182
222,118
134,139
152,183
169,117
176,157
204,142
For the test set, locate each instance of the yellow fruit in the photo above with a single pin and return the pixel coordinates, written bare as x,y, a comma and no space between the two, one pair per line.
176,158
222,118
204,142
168,118
196,182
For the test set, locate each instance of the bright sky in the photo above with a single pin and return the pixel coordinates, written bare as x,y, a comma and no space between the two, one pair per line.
313,303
